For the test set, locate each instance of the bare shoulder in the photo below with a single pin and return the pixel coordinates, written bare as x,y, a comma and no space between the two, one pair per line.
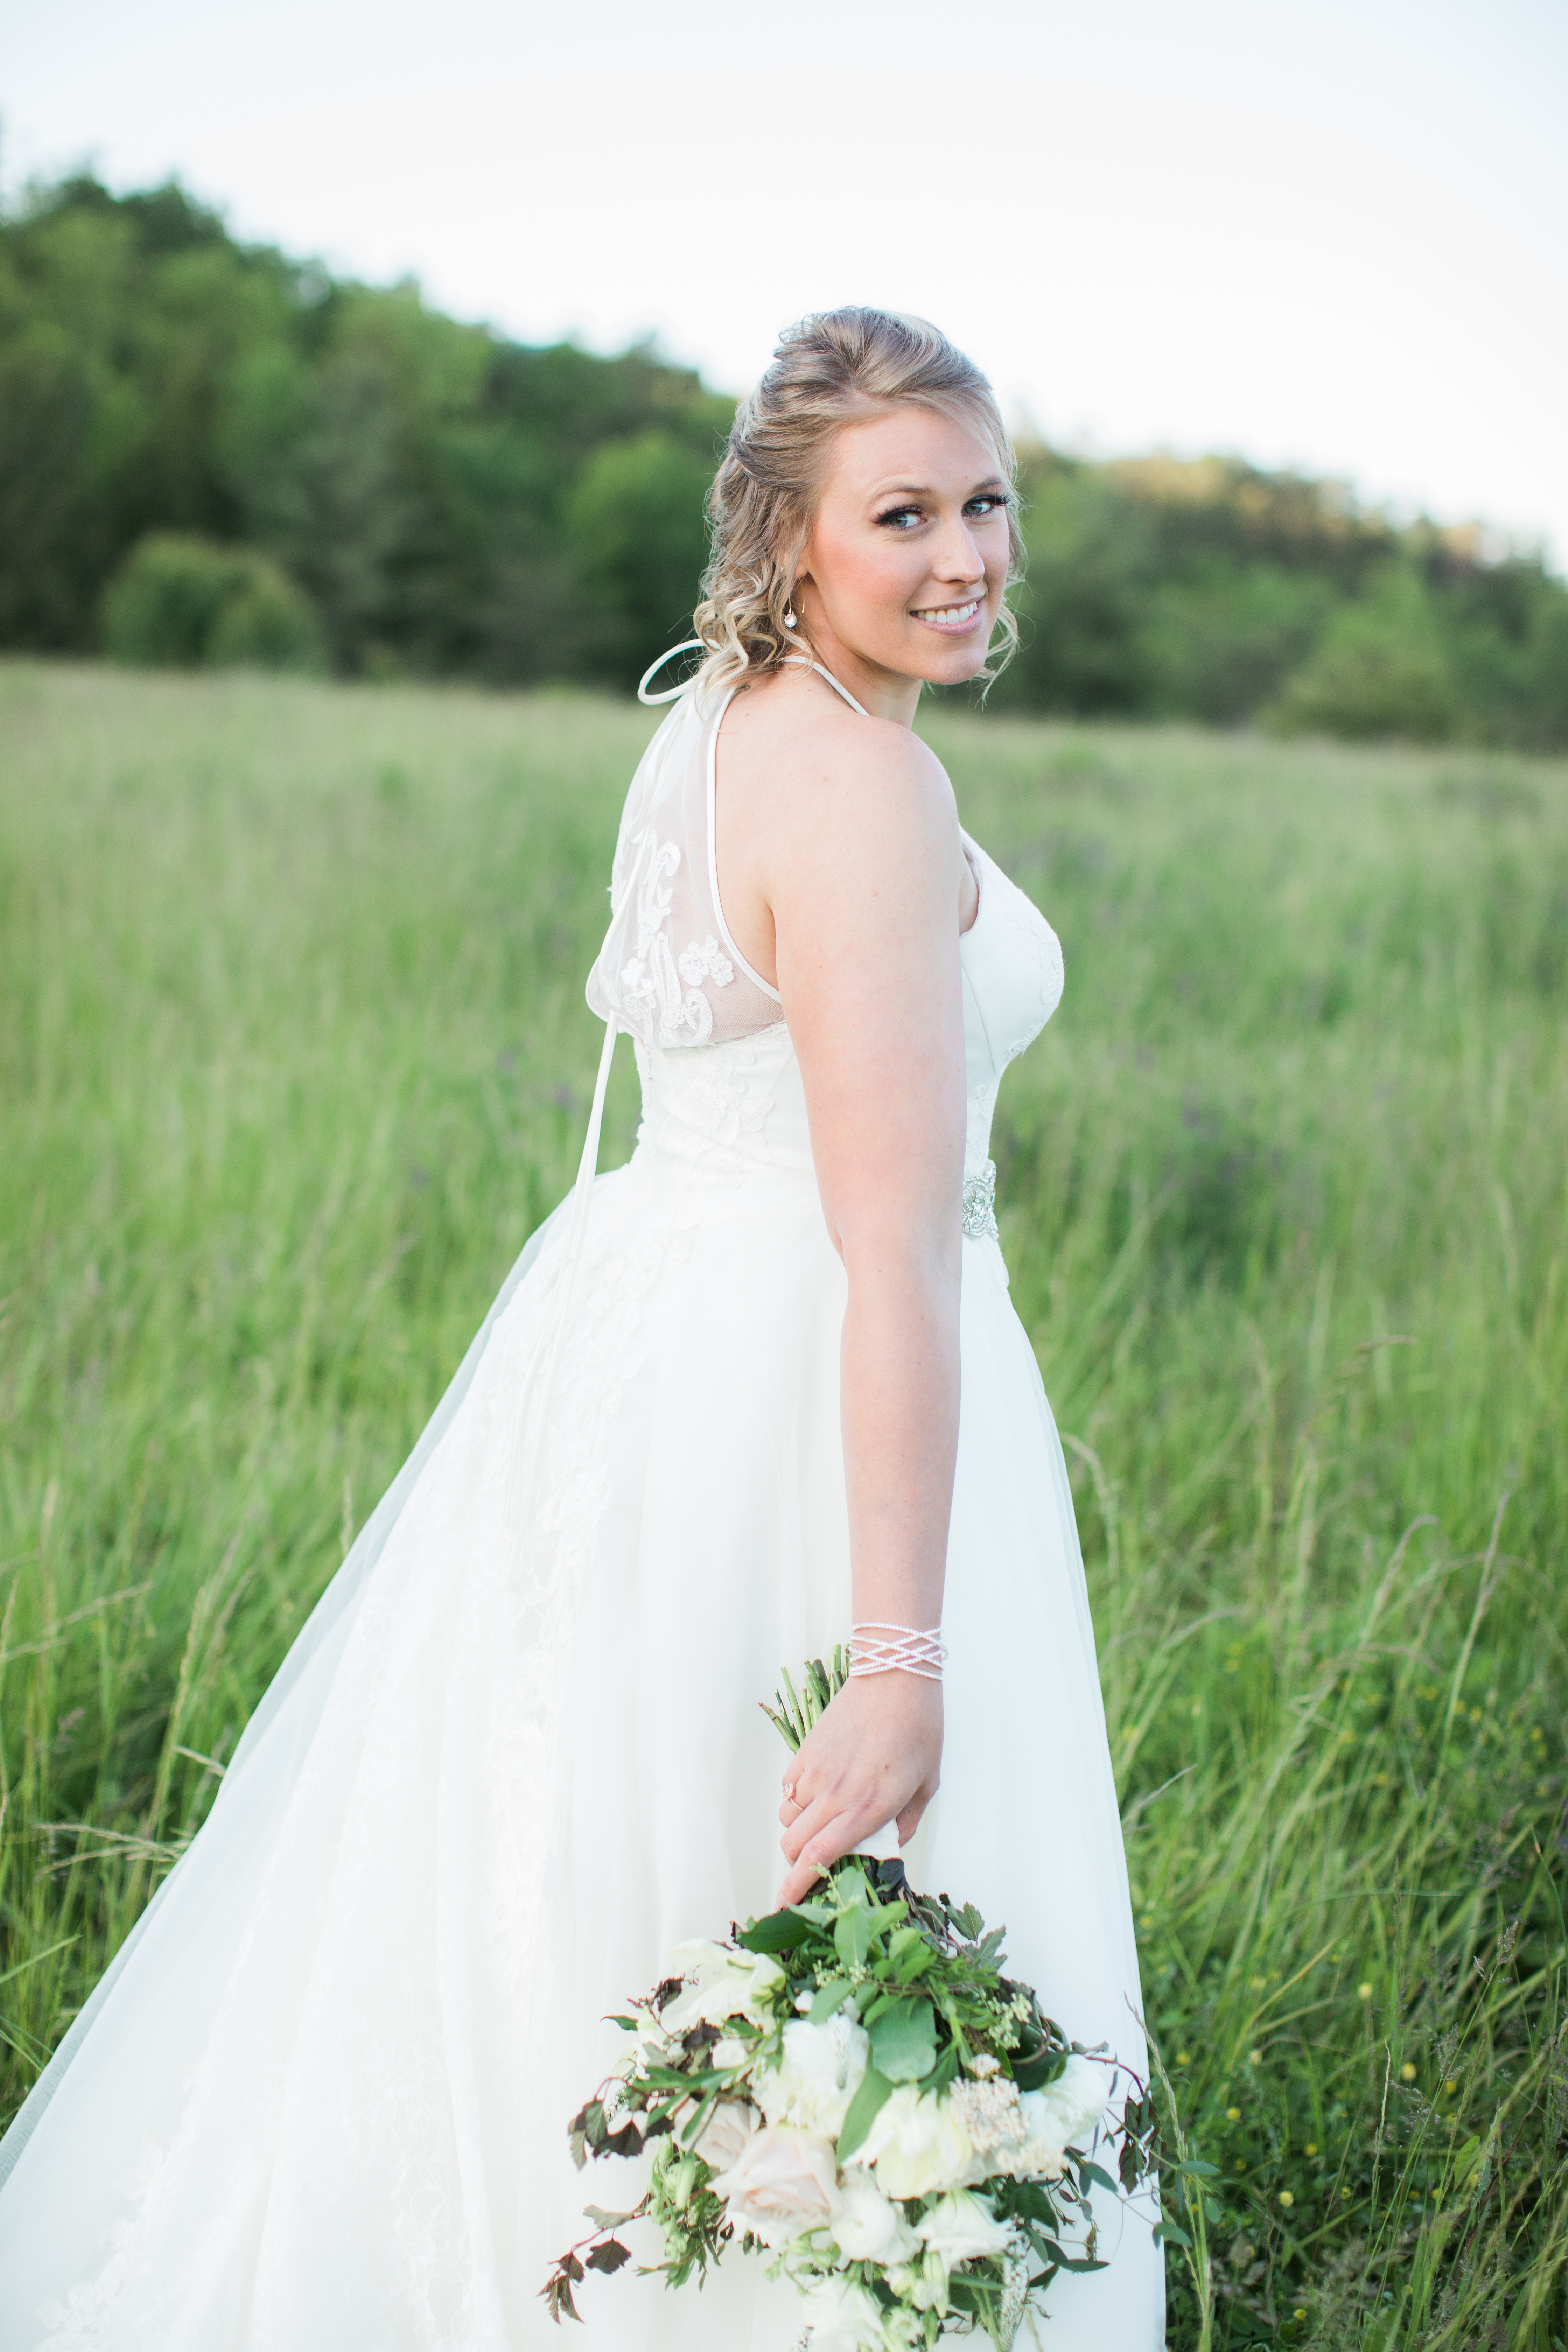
812,768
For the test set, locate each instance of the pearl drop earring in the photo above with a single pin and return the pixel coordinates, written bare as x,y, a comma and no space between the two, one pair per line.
789,617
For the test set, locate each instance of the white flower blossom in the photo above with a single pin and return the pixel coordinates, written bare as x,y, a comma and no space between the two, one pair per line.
918,2146
782,2184
818,2073
868,2227
724,2135
840,2317
720,1983
961,2227
1064,2113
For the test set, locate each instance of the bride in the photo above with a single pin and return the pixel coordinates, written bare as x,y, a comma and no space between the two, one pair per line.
759,1386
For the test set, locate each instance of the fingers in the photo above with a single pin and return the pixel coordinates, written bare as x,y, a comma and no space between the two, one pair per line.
820,1853
824,1832
913,1813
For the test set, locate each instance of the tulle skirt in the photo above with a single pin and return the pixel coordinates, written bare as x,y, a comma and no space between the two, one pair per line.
318,2103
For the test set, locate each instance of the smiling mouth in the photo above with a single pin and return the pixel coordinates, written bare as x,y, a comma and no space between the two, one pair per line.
956,617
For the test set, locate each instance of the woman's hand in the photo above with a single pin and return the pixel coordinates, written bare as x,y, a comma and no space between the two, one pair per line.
874,1757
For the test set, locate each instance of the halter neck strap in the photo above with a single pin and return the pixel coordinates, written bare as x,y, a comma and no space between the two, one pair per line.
671,693
695,645
799,661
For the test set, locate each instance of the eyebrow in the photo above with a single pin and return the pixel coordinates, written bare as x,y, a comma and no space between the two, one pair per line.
924,491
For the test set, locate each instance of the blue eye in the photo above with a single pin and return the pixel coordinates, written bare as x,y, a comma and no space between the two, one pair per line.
899,518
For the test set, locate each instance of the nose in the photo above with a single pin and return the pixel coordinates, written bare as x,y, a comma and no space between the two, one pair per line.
956,556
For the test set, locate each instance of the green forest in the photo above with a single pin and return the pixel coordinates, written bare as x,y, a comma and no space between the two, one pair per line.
213,454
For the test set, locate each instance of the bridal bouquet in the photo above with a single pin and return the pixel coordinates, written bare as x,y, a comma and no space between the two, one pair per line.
853,2088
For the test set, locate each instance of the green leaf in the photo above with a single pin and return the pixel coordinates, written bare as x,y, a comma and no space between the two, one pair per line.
903,2041
1034,2073
864,2108
852,1936
1033,2201
609,2256
779,1932
1095,2173
1171,2232
830,1999
942,2073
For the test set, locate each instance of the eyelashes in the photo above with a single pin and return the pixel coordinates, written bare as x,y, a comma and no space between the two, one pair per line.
904,515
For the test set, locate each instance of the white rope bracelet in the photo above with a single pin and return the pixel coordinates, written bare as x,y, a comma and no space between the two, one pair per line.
912,1652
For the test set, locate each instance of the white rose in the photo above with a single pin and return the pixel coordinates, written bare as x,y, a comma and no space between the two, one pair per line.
782,2184
961,2227
818,2073
868,2227
1063,2114
840,2317
720,1983
918,2146
726,2132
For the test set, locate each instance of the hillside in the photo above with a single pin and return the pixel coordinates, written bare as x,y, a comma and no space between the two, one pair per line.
393,493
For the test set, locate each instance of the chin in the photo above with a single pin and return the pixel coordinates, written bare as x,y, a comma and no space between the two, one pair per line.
952,664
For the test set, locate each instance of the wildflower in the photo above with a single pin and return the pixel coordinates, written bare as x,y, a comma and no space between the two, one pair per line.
1233,2115
1407,2073
1364,1991
1286,2199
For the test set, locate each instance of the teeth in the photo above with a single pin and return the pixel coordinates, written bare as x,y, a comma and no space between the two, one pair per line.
950,616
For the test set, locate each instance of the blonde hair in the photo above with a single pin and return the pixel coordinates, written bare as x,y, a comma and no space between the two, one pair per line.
835,369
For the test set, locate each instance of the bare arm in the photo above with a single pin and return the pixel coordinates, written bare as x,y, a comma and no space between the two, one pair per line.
863,893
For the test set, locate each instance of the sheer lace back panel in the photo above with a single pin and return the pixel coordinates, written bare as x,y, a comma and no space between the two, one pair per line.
669,970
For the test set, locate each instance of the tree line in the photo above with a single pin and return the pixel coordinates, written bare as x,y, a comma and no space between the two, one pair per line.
211,452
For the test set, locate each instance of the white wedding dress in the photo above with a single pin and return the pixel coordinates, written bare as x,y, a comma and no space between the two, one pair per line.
319,2102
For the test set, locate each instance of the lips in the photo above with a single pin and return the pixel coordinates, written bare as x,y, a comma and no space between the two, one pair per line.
955,617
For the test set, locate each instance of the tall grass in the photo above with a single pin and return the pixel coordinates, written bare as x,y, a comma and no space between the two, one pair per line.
293,1055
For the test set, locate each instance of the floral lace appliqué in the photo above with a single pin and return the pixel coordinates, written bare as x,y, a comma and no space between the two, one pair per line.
708,962
650,982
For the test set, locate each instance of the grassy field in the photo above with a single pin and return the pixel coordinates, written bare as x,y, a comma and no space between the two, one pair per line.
294,1056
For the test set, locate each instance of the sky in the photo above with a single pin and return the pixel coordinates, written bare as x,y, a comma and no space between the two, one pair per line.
1330,234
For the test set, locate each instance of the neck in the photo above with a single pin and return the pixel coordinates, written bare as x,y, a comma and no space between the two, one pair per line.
885,693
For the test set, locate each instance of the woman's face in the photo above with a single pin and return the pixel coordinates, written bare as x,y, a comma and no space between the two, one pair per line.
906,564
